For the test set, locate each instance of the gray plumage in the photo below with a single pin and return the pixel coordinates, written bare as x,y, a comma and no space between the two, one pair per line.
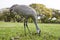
26,12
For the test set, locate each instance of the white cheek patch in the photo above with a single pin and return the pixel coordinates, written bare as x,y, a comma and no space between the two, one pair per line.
38,31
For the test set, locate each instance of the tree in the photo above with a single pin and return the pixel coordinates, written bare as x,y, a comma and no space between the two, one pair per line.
42,9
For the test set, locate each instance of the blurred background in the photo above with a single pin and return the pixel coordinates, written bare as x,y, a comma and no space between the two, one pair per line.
48,11
48,15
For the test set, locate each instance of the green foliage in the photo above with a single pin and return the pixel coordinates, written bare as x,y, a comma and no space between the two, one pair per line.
49,13
42,9
4,14
30,20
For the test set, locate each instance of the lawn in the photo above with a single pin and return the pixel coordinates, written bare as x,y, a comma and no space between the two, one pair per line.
15,31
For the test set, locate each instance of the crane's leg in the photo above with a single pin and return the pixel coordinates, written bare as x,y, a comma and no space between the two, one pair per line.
24,27
27,27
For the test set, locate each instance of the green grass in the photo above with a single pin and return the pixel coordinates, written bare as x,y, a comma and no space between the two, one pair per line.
10,30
